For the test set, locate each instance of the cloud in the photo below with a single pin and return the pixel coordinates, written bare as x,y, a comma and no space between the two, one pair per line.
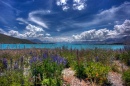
102,34
47,34
93,34
76,5
32,28
58,39
123,29
30,32
119,13
13,33
2,31
34,18
22,20
9,5
63,4
79,4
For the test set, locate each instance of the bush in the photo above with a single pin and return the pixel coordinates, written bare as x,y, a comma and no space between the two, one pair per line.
80,70
125,57
13,78
126,77
97,72
48,70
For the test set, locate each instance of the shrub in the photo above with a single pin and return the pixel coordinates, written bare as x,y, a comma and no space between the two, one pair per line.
125,57
126,77
97,72
80,70
49,69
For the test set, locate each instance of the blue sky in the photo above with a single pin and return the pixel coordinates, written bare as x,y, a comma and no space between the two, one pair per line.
65,20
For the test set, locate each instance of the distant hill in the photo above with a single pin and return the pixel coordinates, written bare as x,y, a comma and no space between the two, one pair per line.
12,40
126,39
36,41
123,40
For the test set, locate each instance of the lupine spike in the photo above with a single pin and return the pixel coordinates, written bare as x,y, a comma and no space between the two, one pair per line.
5,63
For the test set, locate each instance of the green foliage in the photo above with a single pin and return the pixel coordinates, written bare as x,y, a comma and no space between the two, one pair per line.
51,82
97,72
126,77
115,68
13,78
80,70
125,57
50,72
85,66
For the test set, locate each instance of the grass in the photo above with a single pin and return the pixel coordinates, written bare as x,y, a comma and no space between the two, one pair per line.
45,65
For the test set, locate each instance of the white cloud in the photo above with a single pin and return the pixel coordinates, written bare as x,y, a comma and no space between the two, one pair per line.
123,28
102,34
79,4
65,8
93,35
2,31
61,2
38,20
13,33
22,21
31,31
32,28
118,13
113,13
47,34
58,39
9,5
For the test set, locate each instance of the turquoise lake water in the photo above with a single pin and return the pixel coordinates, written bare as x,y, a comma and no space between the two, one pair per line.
59,45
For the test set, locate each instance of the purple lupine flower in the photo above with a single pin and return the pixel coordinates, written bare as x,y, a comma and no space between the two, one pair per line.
33,59
40,59
96,58
30,52
64,62
16,65
54,58
22,61
11,62
45,55
59,60
5,63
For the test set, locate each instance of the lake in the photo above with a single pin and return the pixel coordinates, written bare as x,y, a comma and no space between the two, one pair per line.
59,45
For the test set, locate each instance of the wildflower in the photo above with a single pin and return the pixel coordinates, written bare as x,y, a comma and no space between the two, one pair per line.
33,59
45,55
16,65
5,63
59,60
96,58
11,62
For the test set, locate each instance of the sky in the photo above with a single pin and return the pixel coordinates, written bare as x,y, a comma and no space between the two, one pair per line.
65,20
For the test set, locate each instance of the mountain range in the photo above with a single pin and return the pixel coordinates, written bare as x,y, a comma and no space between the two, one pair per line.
12,40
